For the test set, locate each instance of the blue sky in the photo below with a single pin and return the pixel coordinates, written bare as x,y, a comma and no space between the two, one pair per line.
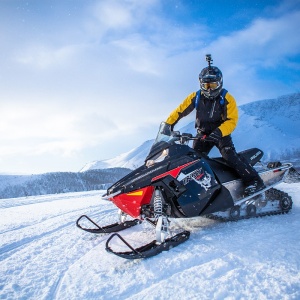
88,80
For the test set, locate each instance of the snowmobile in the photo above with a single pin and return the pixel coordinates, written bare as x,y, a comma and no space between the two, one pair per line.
177,182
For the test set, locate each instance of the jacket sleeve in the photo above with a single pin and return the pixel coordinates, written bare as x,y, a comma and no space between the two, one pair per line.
232,116
186,107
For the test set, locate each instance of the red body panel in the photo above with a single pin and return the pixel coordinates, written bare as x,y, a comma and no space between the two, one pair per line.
131,203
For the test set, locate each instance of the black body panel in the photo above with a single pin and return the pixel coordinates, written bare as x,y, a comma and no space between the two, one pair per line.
142,176
196,190
201,186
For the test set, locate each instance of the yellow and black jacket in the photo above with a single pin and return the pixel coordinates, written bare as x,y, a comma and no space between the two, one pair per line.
210,114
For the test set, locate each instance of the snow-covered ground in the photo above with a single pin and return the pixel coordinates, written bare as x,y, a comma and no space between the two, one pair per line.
43,255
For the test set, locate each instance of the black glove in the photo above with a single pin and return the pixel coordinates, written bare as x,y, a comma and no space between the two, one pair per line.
215,136
166,129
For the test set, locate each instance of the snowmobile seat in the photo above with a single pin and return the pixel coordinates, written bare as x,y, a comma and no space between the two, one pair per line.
252,156
225,172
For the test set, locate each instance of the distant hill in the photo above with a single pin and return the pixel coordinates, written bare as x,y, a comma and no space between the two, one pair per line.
131,159
12,186
271,125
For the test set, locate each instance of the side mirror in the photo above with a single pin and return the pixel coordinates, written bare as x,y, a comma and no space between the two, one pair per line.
165,129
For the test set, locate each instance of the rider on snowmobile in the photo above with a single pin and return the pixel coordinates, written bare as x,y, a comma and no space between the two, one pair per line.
216,119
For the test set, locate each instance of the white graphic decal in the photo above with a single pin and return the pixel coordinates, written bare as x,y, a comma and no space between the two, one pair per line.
203,178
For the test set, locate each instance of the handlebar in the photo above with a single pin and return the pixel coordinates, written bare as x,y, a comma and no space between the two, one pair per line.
183,138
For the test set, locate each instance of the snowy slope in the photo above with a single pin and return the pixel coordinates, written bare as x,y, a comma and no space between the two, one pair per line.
271,125
44,256
131,159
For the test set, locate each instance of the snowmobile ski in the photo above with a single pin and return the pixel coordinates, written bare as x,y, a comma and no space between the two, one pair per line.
106,229
148,250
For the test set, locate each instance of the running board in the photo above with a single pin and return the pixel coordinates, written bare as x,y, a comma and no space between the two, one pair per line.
270,177
150,249
106,229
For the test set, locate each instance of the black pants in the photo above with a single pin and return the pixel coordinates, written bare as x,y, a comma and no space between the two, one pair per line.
247,173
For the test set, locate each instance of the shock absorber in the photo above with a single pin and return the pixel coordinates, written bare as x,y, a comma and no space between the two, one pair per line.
157,204
162,222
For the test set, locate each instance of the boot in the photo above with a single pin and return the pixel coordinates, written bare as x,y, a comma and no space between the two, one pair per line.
254,187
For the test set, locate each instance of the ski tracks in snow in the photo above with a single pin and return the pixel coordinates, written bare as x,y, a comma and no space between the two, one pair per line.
43,255
34,256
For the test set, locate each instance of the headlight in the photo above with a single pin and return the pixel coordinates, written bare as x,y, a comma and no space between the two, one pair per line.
158,158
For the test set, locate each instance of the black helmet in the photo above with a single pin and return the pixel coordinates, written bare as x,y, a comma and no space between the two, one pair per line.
211,81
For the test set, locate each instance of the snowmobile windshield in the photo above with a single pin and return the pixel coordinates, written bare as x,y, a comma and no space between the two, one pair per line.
159,150
166,135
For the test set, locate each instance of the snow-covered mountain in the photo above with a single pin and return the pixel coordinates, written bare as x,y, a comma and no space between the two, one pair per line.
271,125
132,159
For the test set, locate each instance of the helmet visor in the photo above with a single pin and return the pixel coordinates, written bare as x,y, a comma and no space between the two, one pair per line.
210,85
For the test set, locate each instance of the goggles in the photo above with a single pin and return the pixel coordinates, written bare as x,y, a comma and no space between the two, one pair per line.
210,85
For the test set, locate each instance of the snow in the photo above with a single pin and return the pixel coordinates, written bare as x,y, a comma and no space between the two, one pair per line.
43,255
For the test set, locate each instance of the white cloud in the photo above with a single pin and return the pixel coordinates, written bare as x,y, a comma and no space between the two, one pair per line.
263,40
266,44
43,56
105,89
113,14
140,55
119,15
